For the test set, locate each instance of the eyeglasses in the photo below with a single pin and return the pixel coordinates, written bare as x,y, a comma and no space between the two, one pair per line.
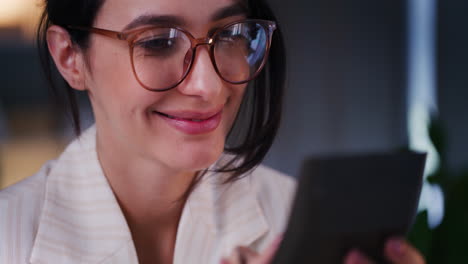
162,57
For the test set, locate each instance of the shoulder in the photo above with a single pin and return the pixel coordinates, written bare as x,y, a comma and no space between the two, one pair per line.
27,190
20,208
30,188
275,193
271,183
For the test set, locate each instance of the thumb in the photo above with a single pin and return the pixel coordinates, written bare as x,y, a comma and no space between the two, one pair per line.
267,256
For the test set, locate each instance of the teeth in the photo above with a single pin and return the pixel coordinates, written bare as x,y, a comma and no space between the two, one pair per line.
196,120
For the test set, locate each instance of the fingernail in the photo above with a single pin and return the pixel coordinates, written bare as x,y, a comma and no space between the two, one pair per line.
354,257
396,247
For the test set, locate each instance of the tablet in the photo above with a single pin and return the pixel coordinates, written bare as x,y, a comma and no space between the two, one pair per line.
351,201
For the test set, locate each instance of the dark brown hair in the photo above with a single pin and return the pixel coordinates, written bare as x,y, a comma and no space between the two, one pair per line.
258,119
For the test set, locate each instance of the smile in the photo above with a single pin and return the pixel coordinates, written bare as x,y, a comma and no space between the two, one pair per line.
181,119
192,123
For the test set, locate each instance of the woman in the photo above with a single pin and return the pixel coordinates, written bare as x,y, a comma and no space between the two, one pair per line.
171,87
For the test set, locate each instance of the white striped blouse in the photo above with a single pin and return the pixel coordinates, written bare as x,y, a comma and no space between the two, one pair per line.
68,214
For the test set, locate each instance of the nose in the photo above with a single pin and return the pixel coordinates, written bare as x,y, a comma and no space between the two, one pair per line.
202,80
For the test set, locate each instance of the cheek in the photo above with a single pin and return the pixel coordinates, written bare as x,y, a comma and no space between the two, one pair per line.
114,70
113,87
236,98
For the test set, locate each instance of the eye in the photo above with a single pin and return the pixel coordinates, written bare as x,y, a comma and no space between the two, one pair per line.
158,45
161,42
233,33
230,37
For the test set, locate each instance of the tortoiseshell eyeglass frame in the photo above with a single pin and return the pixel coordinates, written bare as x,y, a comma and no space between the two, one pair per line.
131,37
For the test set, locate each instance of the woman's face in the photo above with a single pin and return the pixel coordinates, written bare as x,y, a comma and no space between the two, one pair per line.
136,121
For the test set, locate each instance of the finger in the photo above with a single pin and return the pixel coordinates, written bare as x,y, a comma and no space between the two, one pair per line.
398,251
246,254
234,258
224,261
356,257
267,256
240,255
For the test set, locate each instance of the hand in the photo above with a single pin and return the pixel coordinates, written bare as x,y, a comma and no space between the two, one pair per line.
245,255
397,251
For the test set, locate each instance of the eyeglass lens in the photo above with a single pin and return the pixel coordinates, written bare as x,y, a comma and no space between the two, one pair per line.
162,56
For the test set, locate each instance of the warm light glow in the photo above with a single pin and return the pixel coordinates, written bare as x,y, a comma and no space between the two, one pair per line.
22,14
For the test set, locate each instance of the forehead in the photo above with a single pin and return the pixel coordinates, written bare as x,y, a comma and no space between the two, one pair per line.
116,14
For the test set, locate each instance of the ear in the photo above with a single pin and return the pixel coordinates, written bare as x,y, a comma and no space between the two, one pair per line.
67,57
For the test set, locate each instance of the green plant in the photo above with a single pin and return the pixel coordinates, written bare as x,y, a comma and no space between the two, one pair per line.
447,243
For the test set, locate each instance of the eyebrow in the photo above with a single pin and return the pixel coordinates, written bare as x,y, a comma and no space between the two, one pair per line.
155,20
235,9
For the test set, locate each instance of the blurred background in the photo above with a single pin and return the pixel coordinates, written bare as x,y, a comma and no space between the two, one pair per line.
363,76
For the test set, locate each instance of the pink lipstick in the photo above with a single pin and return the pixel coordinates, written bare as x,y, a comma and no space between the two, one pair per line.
192,123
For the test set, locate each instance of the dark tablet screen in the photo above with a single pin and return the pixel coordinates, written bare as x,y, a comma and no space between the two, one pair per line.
353,201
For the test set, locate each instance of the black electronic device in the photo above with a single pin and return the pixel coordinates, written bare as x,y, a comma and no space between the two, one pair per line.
351,201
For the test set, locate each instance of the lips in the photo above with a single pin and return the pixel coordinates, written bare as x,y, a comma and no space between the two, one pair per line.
193,119
190,122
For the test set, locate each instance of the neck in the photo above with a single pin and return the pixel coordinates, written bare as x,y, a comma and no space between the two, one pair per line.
150,196
149,193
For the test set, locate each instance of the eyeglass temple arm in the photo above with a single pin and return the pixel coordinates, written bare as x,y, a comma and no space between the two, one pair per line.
271,26
104,32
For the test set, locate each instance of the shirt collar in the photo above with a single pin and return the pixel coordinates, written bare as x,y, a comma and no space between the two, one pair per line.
82,222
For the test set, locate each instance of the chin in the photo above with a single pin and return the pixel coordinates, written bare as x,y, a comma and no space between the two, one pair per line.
195,159
197,163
